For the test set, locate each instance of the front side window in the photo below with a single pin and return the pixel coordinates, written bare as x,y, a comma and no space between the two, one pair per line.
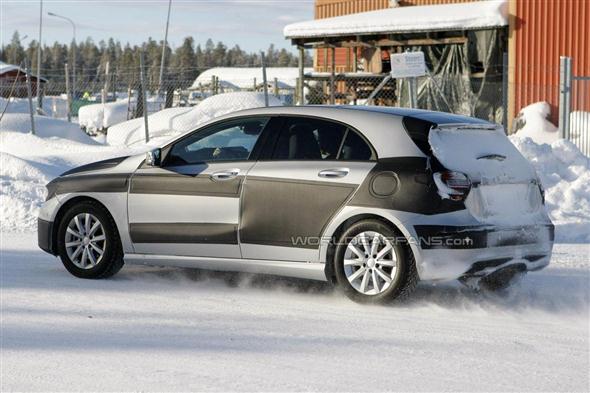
316,139
228,141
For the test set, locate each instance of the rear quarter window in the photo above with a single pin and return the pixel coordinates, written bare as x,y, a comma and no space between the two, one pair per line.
418,131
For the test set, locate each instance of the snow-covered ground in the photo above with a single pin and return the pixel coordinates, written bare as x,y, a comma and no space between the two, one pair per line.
53,106
165,329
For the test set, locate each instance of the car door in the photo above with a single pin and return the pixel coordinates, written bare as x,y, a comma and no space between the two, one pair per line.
306,173
190,204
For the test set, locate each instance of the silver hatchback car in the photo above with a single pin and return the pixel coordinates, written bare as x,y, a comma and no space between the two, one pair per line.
371,199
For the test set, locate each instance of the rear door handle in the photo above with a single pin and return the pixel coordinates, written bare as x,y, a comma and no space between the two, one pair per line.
334,173
225,175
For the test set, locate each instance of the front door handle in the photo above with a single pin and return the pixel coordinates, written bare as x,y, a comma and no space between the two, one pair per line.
225,175
334,173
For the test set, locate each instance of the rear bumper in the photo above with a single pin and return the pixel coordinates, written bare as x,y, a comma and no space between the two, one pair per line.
45,236
450,252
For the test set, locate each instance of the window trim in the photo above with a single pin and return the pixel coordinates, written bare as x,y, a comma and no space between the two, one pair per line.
168,148
268,149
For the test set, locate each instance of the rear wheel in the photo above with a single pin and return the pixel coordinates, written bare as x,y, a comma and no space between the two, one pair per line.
373,264
88,242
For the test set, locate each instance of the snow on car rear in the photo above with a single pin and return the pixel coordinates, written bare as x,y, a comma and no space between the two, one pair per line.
504,229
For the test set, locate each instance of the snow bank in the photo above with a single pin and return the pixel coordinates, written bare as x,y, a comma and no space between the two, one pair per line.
466,16
565,174
100,116
532,122
44,127
173,121
21,194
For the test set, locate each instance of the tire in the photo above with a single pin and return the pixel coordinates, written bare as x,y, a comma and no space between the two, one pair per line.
80,262
403,279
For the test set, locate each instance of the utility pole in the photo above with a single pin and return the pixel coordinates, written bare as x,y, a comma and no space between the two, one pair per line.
69,98
30,95
143,93
73,46
164,48
39,101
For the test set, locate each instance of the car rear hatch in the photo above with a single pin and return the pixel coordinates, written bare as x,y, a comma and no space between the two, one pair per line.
503,185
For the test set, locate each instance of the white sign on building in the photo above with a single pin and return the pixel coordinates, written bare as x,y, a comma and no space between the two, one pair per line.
407,65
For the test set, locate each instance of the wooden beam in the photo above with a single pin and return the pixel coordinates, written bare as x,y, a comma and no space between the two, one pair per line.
388,42
301,64
422,41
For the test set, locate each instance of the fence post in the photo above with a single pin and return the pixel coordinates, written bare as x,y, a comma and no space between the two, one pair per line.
254,88
30,94
301,76
565,89
264,81
129,111
412,90
68,97
276,87
105,91
143,99
505,92
114,85
213,85
332,75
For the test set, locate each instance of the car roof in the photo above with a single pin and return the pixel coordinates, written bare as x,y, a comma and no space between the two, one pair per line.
382,126
438,118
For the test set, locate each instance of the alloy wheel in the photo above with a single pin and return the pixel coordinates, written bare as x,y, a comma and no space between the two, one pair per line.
85,241
370,263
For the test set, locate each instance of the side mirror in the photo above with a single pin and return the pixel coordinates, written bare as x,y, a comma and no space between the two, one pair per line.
153,157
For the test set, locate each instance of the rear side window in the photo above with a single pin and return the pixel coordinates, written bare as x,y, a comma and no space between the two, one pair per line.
355,148
315,139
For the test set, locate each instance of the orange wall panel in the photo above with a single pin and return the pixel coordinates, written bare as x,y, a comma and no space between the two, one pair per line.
543,31
431,2
330,8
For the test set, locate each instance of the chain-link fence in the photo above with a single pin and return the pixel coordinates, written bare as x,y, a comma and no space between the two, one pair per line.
446,93
100,99
183,87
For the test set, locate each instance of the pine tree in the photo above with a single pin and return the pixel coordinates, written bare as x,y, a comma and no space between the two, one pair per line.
182,63
14,53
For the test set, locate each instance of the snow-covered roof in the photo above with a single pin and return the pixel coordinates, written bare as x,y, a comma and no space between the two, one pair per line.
5,67
461,16
243,78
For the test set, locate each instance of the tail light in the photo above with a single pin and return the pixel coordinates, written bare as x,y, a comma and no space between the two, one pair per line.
452,185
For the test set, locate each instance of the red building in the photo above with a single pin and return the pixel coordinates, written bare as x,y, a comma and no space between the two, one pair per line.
13,79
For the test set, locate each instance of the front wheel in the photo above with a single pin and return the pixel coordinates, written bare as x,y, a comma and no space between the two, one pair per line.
88,242
374,264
